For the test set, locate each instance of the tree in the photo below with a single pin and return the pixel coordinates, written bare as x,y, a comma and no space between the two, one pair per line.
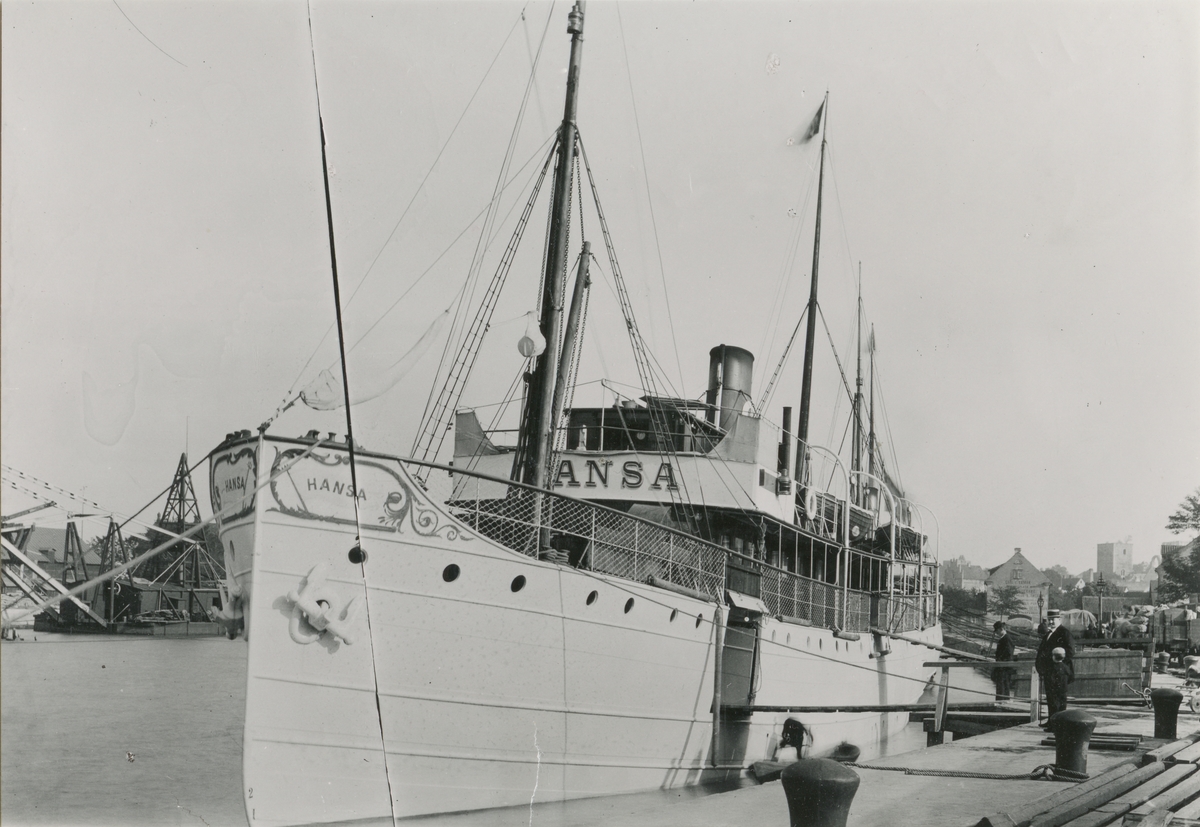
1005,600
1178,576
1179,573
1065,599
1187,518
961,599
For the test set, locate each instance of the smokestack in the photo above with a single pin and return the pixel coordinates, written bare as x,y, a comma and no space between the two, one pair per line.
730,371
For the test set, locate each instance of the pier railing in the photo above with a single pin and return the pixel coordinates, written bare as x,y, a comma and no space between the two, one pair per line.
601,539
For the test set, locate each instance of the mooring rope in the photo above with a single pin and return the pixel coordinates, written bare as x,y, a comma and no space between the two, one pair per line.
1043,772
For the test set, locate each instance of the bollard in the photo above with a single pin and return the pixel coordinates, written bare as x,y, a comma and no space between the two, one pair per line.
845,752
819,792
1161,661
1166,711
1072,730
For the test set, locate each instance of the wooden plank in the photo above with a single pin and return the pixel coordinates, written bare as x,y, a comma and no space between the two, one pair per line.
1024,813
1100,743
1035,697
955,652
1096,818
1173,798
1191,810
1167,750
1140,795
1188,755
1157,818
1095,798
914,709
943,701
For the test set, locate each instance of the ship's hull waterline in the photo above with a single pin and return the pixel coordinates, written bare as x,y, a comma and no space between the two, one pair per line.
488,677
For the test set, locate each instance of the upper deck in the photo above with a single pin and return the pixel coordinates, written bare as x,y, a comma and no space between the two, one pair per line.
795,573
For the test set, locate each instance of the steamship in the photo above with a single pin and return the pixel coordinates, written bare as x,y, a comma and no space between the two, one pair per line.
630,597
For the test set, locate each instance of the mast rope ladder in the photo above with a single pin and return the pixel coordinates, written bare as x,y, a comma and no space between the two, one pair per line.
434,427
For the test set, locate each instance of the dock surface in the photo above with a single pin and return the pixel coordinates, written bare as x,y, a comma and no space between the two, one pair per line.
1125,786
1158,774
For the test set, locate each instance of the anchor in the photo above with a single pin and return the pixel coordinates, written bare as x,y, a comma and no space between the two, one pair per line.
317,603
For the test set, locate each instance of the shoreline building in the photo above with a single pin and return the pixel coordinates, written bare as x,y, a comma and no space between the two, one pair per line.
1031,584
1114,560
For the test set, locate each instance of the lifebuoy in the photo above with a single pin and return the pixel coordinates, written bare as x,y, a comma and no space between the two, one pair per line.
810,503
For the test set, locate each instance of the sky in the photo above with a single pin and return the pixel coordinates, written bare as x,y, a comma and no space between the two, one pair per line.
1019,183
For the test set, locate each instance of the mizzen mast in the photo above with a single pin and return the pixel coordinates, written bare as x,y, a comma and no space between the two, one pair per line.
538,422
811,330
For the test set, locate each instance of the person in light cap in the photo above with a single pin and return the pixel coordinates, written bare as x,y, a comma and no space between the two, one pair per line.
1056,672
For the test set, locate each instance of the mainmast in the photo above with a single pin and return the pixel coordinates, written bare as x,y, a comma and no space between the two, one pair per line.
811,330
856,456
537,429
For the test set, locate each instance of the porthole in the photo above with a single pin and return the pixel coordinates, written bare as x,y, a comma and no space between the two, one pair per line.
518,583
674,614
699,619
808,641
591,598
772,635
450,573
789,637
837,646
820,643
357,555
628,605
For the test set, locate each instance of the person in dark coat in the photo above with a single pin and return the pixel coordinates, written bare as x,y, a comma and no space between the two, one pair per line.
1002,676
1056,674
1057,678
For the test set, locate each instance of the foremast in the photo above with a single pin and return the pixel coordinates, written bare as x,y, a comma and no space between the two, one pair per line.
538,425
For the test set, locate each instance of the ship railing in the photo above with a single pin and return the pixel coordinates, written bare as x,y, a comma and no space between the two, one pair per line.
583,534
819,603
601,539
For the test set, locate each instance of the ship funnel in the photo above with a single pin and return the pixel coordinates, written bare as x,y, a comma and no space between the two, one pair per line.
730,373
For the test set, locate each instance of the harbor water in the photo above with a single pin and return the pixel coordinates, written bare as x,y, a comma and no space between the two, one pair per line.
120,731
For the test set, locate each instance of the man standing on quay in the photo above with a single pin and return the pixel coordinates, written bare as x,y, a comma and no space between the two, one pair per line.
1055,677
1002,676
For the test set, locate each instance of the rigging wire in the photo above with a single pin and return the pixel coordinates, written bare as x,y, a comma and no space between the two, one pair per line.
288,397
888,427
784,284
166,545
431,429
354,489
649,200
484,239
442,255
457,328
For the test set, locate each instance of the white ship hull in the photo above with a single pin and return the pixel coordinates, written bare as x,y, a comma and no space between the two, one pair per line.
481,677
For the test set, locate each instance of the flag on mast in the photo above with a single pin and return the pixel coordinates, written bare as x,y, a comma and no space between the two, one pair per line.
815,126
